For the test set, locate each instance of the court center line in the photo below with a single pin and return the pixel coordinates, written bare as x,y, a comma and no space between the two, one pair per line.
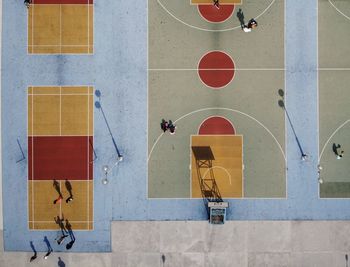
215,69
336,130
209,30
220,108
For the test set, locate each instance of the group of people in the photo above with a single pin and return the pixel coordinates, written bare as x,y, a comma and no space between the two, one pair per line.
57,187
168,126
252,23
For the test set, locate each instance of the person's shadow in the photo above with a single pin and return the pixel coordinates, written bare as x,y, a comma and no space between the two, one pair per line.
61,262
69,189
240,17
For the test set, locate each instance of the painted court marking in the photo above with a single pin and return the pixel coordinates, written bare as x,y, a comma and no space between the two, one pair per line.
214,15
216,69
325,145
210,30
227,109
221,168
338,10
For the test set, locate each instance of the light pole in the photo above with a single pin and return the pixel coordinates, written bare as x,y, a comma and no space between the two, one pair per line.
281,104
106,169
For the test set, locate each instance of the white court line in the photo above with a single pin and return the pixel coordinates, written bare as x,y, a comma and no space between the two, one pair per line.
341,126
338,10
235,69
209,30
55,223
221,168
220,108
333,69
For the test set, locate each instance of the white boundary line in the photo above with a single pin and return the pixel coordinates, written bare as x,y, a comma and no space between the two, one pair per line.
285,96
318,96
338,10
235,69
209,30
209,4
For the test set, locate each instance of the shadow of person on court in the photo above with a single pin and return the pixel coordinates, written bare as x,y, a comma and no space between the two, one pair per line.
71,235
49,248
34,250
57,187
59,221
240,17
69,189
61,262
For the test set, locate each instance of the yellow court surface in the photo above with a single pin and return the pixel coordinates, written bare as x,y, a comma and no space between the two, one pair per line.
60,29
206,2
60,110
42,211
219,158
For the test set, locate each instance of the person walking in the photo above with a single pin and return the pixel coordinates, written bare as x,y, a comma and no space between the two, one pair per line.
164,125
335,149
216,3
252,23
171,127
49,248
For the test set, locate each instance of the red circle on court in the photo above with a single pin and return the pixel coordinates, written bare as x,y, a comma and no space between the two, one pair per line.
216,126
213,14
216,69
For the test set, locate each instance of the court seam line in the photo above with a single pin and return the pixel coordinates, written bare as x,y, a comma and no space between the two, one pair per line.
338,10
219,108
318,99
208,30
58,45
88,159
55,223
286,90
38,94
60,28
60,118
216,69
33,198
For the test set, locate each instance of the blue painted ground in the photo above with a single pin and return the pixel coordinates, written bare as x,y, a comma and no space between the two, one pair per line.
119,70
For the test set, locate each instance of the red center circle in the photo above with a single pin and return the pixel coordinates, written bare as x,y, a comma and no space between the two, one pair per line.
213,14
216,69
216,126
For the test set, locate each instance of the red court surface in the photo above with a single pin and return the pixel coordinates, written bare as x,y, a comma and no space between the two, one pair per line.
216,69
60,158
214,14
216,126
72,2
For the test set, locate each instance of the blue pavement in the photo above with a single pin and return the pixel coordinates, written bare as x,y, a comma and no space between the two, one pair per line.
119,70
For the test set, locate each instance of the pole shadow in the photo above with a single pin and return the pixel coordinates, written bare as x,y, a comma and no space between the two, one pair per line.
71,235
34,250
